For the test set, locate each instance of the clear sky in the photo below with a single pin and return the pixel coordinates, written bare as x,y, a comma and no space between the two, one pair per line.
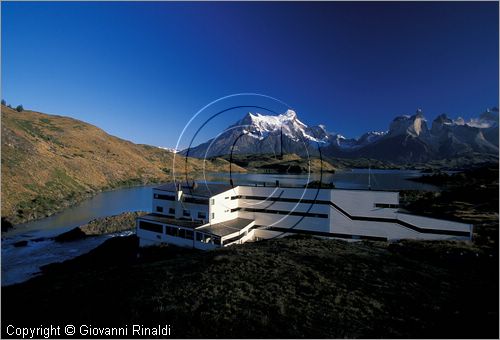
141,70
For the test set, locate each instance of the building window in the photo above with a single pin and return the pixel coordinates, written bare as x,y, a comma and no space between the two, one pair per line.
202,215
212,201
281,212
199,237
186,213
156,228
174,231
182,233
205,238
385,205
164,197
195,200
213,216
171,211
159,209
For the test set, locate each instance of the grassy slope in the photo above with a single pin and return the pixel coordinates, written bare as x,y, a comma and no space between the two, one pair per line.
50,162
293,287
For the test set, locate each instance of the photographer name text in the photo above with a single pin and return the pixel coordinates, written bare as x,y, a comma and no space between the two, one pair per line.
52,331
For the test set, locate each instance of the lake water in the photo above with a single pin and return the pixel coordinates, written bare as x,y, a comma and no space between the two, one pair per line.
20,263
103,204
349,179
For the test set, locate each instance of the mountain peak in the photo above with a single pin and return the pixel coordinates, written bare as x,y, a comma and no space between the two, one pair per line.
408,137
270,120
490,115
443,119
290,114
411,125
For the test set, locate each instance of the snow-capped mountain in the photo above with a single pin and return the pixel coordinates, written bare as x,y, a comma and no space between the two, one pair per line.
489,123
258,133
342,142
408,139
351,144
487,119
370,137
457,136
261,126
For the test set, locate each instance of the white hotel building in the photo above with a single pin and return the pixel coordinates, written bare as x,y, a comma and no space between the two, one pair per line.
207,216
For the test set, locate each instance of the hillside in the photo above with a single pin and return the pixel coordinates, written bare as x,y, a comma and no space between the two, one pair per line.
282,288
50,162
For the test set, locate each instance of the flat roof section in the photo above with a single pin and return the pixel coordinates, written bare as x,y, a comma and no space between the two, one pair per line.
211,189
226,228
202,189
172,221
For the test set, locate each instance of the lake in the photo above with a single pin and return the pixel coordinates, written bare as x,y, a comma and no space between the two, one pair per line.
348,179
20,263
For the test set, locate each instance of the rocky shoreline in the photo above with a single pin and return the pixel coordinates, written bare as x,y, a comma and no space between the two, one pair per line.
100,226
96,227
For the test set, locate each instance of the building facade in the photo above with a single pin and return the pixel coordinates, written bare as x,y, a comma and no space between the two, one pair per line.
207,216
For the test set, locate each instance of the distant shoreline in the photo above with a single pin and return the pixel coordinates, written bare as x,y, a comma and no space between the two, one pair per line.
74,203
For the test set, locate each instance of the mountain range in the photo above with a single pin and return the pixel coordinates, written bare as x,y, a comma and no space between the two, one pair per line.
408,139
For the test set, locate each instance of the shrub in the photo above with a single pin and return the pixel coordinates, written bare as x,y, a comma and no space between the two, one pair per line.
4,102
19,108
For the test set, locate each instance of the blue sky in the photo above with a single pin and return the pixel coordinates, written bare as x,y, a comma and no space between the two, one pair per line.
141,70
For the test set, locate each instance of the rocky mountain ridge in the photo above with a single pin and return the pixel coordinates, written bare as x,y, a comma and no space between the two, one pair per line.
408,139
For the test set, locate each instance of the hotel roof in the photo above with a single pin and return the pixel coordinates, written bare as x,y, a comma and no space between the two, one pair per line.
226,228
201,189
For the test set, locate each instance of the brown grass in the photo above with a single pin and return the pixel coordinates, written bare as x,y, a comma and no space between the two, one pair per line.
50,162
